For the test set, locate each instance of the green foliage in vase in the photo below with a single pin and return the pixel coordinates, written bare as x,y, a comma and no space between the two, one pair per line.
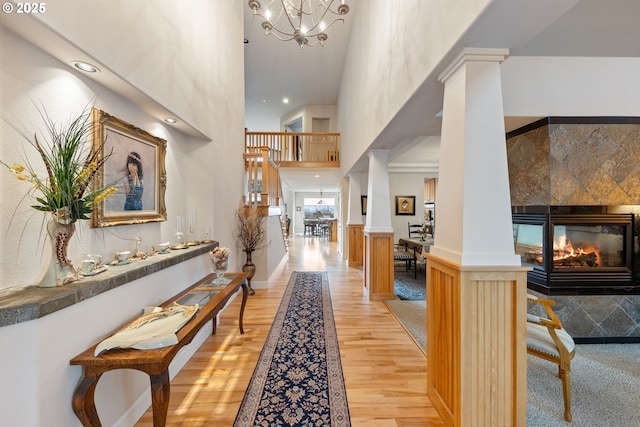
72,163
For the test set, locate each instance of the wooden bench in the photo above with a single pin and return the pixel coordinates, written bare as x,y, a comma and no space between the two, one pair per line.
155,362
403,253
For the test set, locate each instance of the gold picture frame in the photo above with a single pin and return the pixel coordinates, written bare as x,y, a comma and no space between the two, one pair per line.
134,202
405,205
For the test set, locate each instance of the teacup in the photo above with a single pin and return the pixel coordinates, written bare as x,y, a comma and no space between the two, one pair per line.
95,258
87,266
163,247
122,256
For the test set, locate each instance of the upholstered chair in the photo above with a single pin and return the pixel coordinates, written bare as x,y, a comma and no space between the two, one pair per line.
547,339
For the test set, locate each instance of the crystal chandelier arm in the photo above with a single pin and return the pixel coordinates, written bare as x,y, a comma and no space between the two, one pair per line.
294,10
292,6
326,9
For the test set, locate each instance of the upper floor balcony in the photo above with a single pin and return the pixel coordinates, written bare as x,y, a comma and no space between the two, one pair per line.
296,149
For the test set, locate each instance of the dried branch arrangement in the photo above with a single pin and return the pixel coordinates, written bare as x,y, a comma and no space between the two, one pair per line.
251,230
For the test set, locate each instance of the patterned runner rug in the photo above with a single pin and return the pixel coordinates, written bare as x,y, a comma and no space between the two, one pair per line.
298,380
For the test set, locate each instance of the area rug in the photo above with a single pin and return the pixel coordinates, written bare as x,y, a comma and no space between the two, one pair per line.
412,315
605,382
408,288
298,379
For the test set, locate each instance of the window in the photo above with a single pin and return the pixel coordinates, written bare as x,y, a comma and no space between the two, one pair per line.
323,207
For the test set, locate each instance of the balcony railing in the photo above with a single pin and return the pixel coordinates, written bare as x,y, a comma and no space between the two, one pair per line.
299,149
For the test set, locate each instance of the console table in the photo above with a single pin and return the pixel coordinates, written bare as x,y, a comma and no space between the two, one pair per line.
155,363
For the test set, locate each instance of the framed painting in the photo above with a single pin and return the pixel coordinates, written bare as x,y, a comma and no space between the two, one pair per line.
135,167
405,205
363,204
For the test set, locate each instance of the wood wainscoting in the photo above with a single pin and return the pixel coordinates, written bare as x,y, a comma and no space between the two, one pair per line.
378,268
354,243
476,343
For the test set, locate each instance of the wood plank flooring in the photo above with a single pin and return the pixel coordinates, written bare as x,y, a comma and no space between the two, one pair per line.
384,370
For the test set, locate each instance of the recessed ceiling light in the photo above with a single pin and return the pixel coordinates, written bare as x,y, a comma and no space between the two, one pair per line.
170,120
316,176
285,100
85,66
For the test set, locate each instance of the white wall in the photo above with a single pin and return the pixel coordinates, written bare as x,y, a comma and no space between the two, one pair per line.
394,46
406,184
309,112
570,86
155,47
211,171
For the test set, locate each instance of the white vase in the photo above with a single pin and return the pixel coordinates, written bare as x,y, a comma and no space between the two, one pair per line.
60,270
49,278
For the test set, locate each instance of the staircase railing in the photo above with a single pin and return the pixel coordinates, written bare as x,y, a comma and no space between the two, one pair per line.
264,188
296,148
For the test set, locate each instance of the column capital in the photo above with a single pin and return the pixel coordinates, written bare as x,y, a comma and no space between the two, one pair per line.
473,54
378,153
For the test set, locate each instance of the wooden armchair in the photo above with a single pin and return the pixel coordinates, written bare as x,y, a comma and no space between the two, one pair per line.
547,339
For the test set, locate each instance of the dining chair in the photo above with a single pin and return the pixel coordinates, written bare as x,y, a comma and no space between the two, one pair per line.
414,230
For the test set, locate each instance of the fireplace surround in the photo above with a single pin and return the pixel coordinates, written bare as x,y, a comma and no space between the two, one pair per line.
579,177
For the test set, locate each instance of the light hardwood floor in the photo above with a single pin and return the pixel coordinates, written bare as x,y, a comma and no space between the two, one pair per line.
384,370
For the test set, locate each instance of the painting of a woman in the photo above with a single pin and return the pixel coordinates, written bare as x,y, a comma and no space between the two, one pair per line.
134,186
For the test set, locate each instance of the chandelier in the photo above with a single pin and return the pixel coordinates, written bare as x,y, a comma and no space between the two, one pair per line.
304,21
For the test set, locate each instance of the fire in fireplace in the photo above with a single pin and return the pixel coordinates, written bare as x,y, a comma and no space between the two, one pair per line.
565,255
575,252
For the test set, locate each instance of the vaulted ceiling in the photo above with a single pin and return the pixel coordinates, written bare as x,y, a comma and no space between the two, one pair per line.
276,69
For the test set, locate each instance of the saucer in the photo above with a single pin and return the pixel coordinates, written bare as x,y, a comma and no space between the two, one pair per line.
125,262
178,247
96,271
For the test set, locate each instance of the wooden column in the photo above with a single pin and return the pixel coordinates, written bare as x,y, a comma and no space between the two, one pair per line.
355,242
378,271
477,361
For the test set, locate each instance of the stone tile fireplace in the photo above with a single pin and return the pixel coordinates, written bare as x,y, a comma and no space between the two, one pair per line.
575,195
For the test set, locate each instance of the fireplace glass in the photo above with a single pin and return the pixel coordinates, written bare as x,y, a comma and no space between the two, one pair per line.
585,252
588,246
528,243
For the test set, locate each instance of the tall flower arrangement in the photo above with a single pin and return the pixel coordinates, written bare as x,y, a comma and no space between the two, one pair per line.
67,190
